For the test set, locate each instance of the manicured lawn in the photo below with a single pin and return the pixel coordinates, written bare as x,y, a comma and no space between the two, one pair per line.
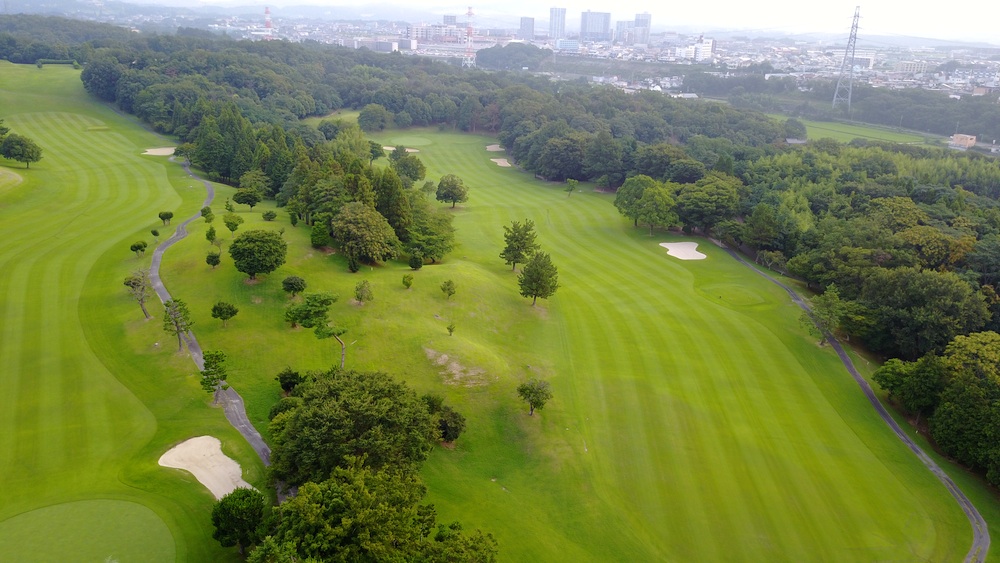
88,401
693,419
845,133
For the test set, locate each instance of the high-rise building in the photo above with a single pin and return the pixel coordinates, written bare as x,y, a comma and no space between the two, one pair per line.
527,31
641,28
557,23
450,20
624,32
595,26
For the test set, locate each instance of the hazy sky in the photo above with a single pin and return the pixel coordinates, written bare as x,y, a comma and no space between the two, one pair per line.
978,20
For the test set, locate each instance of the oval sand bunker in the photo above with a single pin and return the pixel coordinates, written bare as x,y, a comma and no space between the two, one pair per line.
203,458
683,250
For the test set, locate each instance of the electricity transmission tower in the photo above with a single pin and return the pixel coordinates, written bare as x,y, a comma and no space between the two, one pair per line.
846,80
469,60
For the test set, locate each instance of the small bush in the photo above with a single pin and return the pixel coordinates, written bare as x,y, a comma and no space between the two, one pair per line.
407,280
269,215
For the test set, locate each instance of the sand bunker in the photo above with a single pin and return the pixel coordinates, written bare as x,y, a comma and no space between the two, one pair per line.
683,250
502,162
390,149
203,458
162,151
494,148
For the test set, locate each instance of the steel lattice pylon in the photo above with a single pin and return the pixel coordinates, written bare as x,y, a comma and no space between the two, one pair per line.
846,80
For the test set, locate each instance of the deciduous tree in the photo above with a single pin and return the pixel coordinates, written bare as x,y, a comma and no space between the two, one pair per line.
452,188
538,278
213,259
258,252
238,518
519,239
21,149
139,247
166,216
232,221
449,288
656,208
363,292
536,393
293,285
224,311
364,233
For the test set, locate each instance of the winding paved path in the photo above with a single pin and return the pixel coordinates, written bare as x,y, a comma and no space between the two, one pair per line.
980,533
232,403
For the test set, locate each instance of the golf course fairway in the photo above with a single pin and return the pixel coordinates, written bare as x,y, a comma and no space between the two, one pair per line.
87,402
692,418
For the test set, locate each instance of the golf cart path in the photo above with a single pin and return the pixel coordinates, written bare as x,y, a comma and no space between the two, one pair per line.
231,401
980,533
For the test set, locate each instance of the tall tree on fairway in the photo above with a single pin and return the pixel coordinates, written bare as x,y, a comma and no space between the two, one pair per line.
538,278
656,208
258,252
140,287
166,216
21,149
536,393
224,311
452,188
177,320
628,195
520,243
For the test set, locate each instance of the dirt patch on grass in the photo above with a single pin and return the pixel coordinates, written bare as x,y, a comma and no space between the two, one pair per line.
501,162
256,300
161,151
494,148
454,373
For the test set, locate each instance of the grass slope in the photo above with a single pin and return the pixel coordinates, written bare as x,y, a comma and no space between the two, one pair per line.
846,133
88,403
692,420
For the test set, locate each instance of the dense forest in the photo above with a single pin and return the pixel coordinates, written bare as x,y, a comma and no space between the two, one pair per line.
902,243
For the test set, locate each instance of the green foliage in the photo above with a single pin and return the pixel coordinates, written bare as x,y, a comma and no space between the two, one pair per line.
247,196
450,422
166,216
407,280
232,221
431,234
452,188
708,202
177,320
656,208
139,247
416,260
360,514
312,311
155,233
224,311
519,240
365,234
916,385
319,235
258,252
21,149
213,376
269,215
374,117
451,328
449,288
409,165
238,518
535,392
289,379
283,405
213,259
628,195
538,278
363,292
345,414
293,285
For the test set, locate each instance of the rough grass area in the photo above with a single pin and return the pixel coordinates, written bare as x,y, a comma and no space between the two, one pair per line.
89,401
693,419
846,133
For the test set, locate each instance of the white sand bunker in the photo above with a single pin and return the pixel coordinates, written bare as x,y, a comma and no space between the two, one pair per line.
494,148
683,250
203,458
501,162
390,149
162,151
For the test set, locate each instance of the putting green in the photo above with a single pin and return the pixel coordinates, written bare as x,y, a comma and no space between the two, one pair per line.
89,530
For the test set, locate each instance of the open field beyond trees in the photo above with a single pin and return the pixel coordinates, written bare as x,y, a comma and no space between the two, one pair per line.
847,132
693,419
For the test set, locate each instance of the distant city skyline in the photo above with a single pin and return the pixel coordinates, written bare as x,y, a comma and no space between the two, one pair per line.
969,21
